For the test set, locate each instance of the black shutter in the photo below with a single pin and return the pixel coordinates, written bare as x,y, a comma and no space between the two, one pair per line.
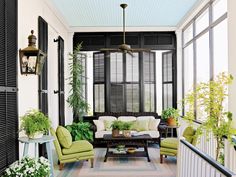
61,94
43,78
8,84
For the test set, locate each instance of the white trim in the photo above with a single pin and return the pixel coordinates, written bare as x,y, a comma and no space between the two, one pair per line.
119,29
191,13
57,13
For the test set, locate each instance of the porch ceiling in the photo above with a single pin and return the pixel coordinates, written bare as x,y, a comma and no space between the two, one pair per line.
107,13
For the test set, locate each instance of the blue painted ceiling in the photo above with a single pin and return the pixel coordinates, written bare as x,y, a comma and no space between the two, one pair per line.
108,13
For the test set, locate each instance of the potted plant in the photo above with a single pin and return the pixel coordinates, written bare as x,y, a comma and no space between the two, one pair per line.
80,131
35,124
126,129
170,115
116,126
209,99
76,98
29,167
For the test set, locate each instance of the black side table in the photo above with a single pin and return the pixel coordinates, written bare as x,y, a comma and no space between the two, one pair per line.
168,130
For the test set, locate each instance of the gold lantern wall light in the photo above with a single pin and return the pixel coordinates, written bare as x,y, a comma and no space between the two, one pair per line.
31,58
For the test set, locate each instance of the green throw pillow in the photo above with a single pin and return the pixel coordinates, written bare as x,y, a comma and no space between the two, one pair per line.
64,137
107,124
140,125
188,134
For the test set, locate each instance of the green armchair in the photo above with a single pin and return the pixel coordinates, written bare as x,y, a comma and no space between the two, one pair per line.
169,146
69,151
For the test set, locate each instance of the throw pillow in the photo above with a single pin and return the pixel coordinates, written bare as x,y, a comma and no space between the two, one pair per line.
140,125
99,124
189,133
108,124
153,124
64,137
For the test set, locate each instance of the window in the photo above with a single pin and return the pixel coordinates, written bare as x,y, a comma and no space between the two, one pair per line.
206,55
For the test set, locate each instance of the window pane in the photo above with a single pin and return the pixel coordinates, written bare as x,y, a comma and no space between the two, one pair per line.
202,58
117,97
220,48
149,97
188,68
132,67
188,34
98,67
167,66
116,67
132,97
148,66
202,21
168,96
99,98
219,8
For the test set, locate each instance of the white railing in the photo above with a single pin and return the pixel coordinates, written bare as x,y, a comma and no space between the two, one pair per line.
230,156
192,162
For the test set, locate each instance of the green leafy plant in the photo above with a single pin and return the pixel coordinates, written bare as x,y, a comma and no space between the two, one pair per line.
76,99
80,131
117,124
29,167
33,122
126,125
170,112
209,100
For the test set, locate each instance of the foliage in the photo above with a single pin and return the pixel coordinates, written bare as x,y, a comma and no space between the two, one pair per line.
209,99
80,131
76,99
117,124
121,125
170,112
29,167
34,121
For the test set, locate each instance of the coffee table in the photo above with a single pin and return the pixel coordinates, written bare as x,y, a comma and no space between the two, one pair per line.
140,141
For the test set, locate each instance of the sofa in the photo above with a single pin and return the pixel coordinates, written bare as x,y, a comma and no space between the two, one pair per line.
147,124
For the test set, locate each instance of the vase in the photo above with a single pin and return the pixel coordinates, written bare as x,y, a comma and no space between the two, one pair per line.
36,135
127,133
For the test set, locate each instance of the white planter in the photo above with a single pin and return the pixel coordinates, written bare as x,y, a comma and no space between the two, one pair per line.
36,135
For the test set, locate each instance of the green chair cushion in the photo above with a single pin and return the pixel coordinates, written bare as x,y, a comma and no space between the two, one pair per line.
168,151
188,134
170,143
64,137
78,147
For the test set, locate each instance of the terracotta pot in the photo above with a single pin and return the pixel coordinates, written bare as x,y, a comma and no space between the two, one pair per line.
127,133
115,132
171,121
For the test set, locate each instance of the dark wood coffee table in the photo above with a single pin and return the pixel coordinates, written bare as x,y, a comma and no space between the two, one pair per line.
139,141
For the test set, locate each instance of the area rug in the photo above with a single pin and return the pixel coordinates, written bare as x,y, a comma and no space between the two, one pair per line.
121,167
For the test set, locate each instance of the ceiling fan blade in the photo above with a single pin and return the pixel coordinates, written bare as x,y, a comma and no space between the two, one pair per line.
129,52
140,50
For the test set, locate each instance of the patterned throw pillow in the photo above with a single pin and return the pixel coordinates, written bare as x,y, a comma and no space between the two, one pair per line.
108,124
153,124
140,125
99,124
64,137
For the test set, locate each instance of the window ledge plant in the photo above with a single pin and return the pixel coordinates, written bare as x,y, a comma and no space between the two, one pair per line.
35,124
29,167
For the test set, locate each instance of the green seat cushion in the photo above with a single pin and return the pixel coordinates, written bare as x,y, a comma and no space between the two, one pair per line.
168,151
170,143
189,134
64,137
140,125
78,147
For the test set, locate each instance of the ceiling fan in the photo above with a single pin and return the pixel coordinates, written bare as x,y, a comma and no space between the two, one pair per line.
124,47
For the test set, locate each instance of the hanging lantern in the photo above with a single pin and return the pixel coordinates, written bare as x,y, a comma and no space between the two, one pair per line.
31,58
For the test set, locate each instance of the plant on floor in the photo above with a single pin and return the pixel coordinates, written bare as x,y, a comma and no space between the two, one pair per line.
209,99
170,115
34,123
80,131
76,99
29,167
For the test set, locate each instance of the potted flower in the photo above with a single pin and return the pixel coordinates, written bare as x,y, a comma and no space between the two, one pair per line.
116,126
35,124
29,167
170,115
126,129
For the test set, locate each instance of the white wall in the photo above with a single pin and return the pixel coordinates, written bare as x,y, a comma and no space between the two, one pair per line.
28,13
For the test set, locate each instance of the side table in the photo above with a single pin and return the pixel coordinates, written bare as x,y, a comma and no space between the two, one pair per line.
168,129
45,139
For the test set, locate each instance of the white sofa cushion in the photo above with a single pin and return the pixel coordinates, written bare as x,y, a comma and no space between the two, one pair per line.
99,134
153,124
127,118
109,118
99,124
145,117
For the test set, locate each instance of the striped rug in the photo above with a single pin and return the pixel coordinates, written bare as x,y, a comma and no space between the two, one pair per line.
120,167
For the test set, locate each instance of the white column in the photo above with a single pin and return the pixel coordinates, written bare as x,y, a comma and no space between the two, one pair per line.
68,109
232,55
